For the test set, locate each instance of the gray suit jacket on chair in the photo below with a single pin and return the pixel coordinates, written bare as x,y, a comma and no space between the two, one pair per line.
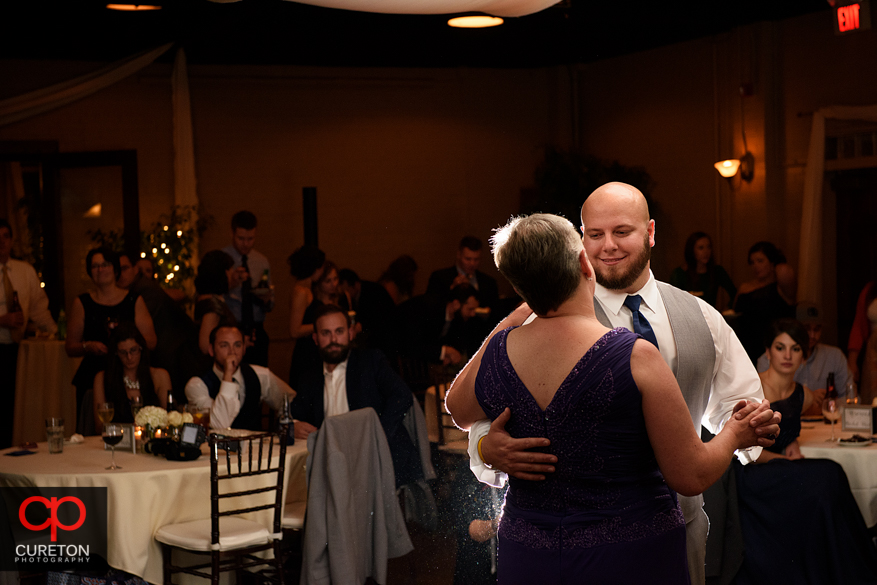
354,523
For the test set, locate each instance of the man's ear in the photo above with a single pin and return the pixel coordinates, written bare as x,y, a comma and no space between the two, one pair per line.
316,340
210,350
585,265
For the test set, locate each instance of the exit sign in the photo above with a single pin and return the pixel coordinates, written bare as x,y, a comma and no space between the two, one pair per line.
852,17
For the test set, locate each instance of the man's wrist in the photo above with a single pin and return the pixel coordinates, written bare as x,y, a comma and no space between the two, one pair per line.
481,454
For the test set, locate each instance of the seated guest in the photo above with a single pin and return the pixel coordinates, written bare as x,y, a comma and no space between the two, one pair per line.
435,325
325,292
376,324
821,360
700,275
234,392
788,504
211,285
350,379
94,315
129,376
465,271
173,327
398,278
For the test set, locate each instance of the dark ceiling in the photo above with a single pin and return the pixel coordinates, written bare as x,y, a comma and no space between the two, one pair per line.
281,32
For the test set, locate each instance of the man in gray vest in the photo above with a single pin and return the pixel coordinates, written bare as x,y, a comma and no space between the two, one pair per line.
710,364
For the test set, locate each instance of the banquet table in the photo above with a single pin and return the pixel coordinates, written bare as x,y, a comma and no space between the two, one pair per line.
859,463
43,388
147,493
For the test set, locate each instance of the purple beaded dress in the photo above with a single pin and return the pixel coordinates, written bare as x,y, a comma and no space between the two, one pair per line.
605,515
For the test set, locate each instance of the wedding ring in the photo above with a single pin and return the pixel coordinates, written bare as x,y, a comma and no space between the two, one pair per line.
772,437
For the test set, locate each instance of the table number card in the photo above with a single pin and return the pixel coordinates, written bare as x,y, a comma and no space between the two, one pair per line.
858,418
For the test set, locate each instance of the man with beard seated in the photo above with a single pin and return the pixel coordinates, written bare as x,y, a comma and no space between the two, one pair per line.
349,379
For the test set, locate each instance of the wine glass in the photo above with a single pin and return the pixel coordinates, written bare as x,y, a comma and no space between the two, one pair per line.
136,405
105,412
831,411
112,436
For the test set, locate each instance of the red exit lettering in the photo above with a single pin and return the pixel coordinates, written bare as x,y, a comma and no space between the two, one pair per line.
848,18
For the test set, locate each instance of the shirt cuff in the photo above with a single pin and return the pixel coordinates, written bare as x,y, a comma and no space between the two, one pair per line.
484,474
750,455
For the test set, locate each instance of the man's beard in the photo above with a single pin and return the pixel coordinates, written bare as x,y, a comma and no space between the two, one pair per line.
624,280
334,353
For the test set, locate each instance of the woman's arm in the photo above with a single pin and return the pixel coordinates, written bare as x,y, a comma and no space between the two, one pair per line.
99,397
689,465
208,323
161,380
812,400
144,323
298,304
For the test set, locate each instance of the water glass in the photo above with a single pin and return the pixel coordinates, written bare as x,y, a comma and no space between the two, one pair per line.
55,434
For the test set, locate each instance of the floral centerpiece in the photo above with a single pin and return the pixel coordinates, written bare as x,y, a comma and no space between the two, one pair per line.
177,419
151,418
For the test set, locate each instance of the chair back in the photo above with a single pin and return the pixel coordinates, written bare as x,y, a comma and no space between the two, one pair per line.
248,455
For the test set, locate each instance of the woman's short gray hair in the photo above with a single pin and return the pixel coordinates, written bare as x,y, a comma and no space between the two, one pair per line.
539,255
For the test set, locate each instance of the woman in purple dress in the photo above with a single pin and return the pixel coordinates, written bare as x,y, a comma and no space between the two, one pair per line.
615,418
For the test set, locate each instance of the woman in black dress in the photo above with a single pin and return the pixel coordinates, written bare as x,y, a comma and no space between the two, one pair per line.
700,275
129,376
94,315
211,284
770,295
799,519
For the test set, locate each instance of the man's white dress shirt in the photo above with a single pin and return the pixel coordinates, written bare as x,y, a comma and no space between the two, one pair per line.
225,408
31,296
335,390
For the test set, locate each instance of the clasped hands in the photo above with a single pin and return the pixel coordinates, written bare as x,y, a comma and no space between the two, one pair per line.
517,458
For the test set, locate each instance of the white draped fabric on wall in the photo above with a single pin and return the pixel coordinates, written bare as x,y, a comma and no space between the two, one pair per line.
810,269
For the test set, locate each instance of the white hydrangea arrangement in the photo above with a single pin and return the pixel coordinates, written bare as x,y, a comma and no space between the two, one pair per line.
177,419
152,416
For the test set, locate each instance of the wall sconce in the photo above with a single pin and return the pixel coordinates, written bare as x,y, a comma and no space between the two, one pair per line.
745,165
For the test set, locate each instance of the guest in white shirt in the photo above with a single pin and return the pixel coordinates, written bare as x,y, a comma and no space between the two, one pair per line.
17,278
232,391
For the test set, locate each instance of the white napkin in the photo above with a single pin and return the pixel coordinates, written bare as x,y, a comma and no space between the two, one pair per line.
77,438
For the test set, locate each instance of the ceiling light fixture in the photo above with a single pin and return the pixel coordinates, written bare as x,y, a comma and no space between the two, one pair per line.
132,7
475,21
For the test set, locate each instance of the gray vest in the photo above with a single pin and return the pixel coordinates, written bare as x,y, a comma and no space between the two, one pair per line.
695,361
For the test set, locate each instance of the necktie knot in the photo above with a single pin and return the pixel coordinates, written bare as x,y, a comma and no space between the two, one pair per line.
633,302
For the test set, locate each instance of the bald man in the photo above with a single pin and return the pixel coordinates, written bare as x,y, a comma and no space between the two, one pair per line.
706,357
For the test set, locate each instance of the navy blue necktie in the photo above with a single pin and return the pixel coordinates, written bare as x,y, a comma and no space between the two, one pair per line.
640,323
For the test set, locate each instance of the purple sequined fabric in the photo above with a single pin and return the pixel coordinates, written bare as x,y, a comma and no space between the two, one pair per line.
606,487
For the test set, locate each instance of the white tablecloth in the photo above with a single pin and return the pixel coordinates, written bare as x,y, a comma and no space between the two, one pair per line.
859,463
43,388
147,493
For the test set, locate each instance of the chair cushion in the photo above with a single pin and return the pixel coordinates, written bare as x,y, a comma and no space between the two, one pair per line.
195,535
294,515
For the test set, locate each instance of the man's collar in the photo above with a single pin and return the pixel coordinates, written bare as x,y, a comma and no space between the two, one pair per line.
613,300
342,366
237,376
